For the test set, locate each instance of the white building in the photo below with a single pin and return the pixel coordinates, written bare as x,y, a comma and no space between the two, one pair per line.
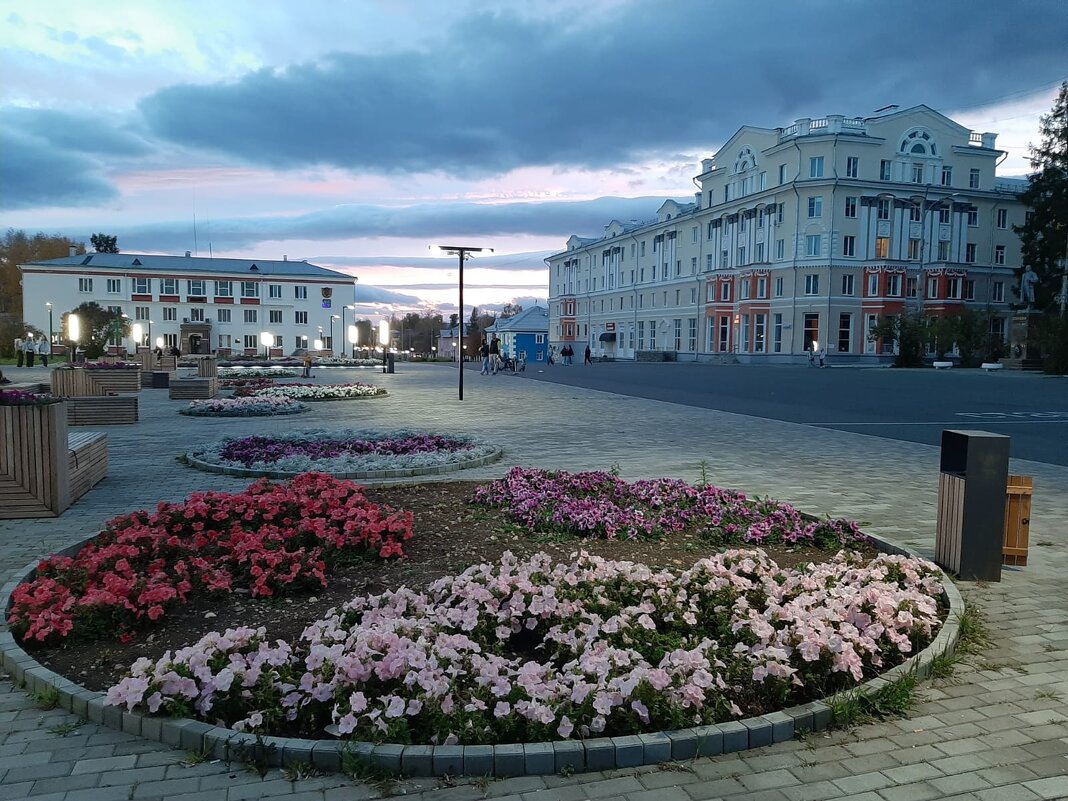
197,304
801,236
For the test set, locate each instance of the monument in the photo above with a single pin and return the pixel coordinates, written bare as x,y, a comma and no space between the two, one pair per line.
1023,352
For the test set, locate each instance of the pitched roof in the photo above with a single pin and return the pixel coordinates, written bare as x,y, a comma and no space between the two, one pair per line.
147,263
536,318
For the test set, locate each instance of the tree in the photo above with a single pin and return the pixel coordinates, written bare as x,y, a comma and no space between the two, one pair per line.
1044,236
12,329
510,310
17,247
97,325
104,243
908,332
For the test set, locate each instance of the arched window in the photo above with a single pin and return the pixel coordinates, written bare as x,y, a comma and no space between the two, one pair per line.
745,161
918,142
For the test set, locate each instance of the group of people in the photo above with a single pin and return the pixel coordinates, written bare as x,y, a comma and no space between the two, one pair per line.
567,355
27,350
490,354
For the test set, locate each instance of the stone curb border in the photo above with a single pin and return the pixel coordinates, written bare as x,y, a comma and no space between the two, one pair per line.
364,475
303,408
514,759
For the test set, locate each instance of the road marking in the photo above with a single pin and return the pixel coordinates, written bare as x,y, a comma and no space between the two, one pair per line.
951,423
1004,415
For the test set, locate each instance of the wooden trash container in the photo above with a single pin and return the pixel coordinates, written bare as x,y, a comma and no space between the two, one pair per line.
1017,520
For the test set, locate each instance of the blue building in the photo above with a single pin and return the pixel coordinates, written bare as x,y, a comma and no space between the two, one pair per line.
524,336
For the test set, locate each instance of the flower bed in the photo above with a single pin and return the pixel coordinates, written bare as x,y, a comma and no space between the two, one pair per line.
320,392
245,384
268,539
16,397
530,651
598,504
243,407
256,372
348,453
112,365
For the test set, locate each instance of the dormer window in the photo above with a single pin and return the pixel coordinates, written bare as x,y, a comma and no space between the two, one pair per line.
918,142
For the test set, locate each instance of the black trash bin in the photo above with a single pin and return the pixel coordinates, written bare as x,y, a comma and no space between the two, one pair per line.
971,504
391,360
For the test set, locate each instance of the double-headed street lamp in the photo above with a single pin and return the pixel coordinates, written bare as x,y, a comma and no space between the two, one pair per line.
462,252
332,318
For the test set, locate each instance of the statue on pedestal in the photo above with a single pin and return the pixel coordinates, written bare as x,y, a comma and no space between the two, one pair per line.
1027,286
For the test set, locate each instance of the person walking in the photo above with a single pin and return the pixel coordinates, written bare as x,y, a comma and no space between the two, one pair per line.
586,356
552,352
495,354
20,354
29,349
822,356
484,355
307,362
44,349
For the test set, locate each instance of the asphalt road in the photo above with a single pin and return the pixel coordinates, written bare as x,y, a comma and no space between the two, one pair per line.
910,405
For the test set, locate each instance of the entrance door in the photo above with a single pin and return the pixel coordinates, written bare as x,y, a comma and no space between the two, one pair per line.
812,332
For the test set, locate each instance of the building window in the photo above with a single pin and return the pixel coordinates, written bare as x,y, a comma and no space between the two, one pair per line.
947,176
758,256
852,167
224,289
743,338
915,249
776,333
641,334
300,292
693,266
782,174
847,285
911,287
652,335
815,167
741,257
812,244
882,247
873,285
85,284
252,341
678,334
250,316
780,212
973,218
759,326
884,170
777,291
969,289
710,263
196,314
142,286
762,181
274,291
1003,218
780,249
114,286
725,291
169,286
812,284
724,259
141,312
915,215
999,254
953,288
893,286
845,332
743,289
691,334
250,289
643,247
943,251
196,288
997,292
943,216
274,316
170,314
851,207
849,246
815,207
222,315
917,173
695,231
812,331
973,178
762,287
969,253
932,287
883,209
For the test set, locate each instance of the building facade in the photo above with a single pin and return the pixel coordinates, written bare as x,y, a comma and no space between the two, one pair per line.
524,336
802,238
198,305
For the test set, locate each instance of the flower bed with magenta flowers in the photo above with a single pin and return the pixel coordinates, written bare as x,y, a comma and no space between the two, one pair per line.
239,385
526,651
268,539
344,451
256,372
320,392
599,504
243,407
16,397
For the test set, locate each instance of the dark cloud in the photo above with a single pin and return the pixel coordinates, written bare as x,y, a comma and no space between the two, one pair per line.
499,92
33,173
75,132
433,222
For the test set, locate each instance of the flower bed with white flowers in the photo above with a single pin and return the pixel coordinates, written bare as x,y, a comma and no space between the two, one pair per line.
320,392
344,454
256,372
528,651
243,407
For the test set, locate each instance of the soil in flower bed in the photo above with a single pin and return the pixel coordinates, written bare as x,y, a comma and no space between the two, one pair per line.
450,534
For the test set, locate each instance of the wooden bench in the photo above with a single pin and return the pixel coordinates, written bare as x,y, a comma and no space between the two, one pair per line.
88,461
943,365
43,468
988,366
103,410
194,388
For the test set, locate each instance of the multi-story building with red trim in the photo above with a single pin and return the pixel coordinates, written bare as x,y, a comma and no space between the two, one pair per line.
801,238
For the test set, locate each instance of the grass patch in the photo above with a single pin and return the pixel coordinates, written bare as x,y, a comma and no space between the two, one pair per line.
63,729
298,771
48,698
973,635
893,700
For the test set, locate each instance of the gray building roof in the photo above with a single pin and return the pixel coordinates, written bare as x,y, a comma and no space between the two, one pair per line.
535,319
141,262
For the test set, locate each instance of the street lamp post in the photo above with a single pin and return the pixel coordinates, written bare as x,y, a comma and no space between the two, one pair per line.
354,338
266,339
461,252
332,318
50,328
383,340
73,333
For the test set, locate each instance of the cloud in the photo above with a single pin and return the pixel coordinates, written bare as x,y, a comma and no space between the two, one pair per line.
75,132
33,173
372,294
497,91
427,221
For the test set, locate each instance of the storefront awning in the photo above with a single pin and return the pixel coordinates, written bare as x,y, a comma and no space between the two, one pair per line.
608,336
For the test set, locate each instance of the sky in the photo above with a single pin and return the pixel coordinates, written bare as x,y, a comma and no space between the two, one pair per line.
356,133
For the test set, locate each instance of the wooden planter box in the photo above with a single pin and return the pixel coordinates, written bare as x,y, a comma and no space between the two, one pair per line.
120,379
102,410
80,383
194,388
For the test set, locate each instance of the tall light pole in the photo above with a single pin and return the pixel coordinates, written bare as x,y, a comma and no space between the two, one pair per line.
49,307
462,252
332,318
